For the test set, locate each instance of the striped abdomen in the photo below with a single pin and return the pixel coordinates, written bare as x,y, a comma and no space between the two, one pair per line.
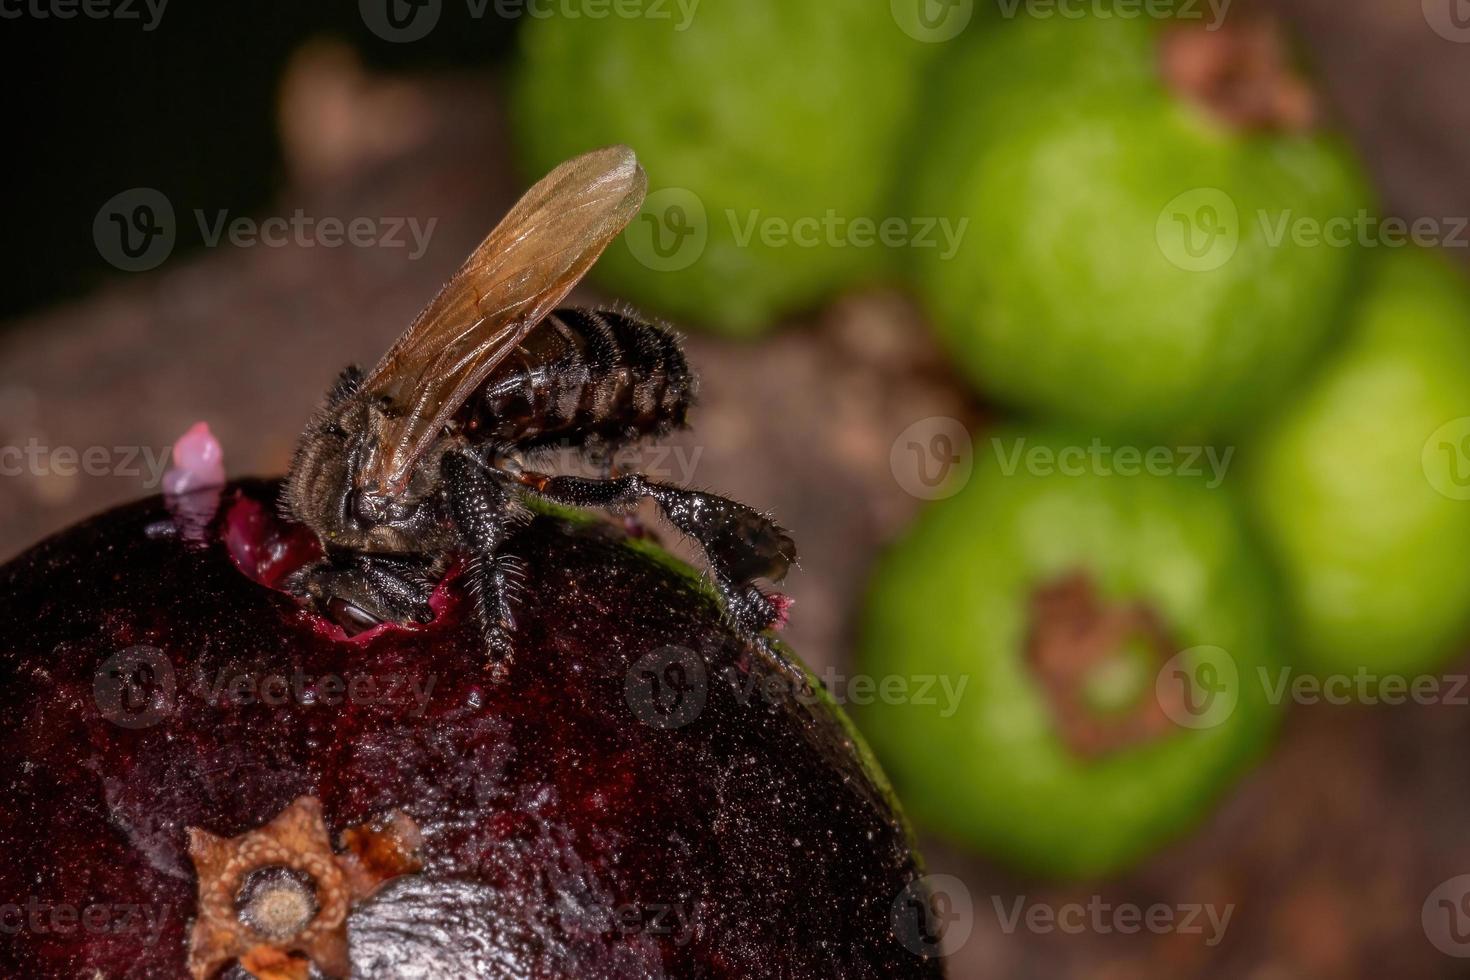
580,376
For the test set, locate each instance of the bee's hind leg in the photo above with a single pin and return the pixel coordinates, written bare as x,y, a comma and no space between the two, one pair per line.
484,510
741,544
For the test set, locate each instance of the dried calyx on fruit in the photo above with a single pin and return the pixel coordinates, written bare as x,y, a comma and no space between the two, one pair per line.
1239,72
1097,661
275,899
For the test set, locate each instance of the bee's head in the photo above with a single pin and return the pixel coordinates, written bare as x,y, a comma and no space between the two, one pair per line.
325,490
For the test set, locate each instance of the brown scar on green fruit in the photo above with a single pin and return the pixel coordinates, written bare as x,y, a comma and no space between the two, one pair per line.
1075,635
1241,73
275,899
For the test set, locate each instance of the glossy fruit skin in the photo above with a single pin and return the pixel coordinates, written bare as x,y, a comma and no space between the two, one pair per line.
952,598
1071,293
548,806
754,115
1362,482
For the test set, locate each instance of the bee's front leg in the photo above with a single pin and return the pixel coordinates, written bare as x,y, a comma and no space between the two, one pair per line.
484,509
359,591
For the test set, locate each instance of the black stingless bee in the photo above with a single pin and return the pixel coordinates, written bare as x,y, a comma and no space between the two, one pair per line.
426,457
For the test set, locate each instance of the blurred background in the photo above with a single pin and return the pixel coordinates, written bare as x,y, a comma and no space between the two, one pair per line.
909,242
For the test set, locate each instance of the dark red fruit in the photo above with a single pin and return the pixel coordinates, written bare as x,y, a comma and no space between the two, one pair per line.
643,796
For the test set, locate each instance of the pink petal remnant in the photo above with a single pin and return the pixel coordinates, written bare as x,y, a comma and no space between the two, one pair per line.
199,462
783,604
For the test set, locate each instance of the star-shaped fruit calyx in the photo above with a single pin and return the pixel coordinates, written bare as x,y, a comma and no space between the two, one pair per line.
276,898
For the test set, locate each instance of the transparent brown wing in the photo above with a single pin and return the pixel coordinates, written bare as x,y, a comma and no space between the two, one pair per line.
519,274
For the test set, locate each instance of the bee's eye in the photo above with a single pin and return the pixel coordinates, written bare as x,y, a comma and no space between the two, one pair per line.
352,619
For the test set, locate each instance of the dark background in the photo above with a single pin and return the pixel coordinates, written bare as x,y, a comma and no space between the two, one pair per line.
1327,851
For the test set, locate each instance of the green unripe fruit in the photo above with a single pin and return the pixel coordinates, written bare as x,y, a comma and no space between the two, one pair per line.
770,130
1132,260
1364,483
1108,633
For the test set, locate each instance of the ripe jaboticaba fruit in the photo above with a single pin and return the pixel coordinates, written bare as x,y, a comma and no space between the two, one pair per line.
773,130
1105,624
200,777
1158,238
1364,481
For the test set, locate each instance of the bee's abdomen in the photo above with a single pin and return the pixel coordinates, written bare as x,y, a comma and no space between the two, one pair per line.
583,376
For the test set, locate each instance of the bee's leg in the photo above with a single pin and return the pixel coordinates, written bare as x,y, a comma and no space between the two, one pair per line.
604,457
741,544
484,510
359,591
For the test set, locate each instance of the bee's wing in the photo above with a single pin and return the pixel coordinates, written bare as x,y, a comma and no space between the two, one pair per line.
519,274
